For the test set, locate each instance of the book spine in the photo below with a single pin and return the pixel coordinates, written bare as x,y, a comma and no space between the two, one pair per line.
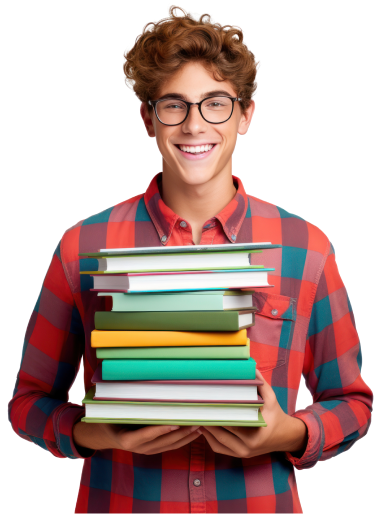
145,369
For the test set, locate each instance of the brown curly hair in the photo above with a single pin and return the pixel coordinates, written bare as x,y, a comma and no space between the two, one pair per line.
164,47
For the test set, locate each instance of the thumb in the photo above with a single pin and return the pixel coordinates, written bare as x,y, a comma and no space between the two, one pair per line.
265,390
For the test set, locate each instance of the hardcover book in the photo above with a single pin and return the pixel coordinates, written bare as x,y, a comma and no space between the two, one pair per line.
195,321
165,369
152,338
176,352
169,413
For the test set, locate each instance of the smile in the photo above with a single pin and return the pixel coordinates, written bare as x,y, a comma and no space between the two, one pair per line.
196,152
195,149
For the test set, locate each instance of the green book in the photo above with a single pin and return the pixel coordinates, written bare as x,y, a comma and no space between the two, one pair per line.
176,352
191,321
161,250
189,301
171,413
172,369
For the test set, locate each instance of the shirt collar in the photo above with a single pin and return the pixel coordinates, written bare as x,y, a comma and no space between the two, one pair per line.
164,219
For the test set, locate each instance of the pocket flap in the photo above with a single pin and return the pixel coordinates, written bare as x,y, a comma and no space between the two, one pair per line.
274,306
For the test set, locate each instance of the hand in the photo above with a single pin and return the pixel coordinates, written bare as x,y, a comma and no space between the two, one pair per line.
283,432
148,440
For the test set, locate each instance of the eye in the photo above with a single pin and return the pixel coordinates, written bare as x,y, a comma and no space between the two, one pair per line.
171,105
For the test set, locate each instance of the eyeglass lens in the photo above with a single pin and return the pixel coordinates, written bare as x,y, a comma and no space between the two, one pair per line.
214,110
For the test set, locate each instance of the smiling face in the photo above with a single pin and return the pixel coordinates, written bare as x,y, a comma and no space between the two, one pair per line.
195,152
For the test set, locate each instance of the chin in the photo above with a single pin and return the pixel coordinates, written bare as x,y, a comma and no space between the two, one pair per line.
197,177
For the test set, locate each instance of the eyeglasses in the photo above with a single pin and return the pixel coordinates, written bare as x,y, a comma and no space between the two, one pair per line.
214,109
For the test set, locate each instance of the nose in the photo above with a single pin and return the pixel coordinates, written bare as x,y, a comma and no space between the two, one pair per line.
194,123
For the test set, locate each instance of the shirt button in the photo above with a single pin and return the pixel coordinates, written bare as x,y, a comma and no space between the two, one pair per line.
234,237
163,239
197,482
274,312
183,224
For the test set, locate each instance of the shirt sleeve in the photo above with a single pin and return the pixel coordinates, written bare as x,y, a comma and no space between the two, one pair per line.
39,410
341,412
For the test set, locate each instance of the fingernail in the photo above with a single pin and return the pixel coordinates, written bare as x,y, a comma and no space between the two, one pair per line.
200,432
193,429
174,428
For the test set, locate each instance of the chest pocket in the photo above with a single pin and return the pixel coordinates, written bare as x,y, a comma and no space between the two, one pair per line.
271,336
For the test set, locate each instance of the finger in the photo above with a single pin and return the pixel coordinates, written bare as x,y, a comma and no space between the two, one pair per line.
143,435
227,439
215,445
151,449
132,440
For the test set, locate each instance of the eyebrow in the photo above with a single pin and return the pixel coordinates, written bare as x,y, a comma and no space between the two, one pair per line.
178,96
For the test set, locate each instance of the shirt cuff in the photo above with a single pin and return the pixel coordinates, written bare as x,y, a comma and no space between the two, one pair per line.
64,422
316,439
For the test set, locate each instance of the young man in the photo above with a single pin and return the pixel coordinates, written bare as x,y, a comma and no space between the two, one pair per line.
196,81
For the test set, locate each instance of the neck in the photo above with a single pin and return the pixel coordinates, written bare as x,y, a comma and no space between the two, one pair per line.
196,203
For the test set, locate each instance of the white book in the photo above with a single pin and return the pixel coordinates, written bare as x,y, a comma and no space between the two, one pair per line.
167,411
174,261
149,391
233,279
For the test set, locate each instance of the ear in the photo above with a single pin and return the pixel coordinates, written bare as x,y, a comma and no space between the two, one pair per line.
246,118
147,118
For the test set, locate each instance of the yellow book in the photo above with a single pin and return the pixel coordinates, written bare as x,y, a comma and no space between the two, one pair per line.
116,338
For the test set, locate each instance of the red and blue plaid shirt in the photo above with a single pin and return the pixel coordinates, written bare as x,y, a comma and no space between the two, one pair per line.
313,333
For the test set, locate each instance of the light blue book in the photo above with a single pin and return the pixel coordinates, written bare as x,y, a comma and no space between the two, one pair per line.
188,301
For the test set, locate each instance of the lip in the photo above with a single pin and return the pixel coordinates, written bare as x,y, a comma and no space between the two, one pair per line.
196,157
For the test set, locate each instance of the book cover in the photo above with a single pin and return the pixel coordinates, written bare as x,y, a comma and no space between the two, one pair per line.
196,321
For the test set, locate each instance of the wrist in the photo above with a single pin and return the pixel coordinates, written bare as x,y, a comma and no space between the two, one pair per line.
296,435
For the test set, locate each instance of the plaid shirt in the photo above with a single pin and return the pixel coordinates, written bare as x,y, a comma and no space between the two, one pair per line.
313,333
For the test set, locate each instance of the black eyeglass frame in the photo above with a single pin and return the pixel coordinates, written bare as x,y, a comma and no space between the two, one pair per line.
154,103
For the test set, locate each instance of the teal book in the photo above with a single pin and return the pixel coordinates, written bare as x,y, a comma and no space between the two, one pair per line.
189,301
172,369
190,321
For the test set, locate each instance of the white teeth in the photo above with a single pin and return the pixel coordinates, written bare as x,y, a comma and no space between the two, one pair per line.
195,149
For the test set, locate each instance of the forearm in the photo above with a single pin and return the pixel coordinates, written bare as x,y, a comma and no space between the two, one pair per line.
94,436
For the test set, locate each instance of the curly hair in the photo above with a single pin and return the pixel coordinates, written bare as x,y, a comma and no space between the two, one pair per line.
166,46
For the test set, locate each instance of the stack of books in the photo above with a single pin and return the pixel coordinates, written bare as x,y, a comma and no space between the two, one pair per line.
174,347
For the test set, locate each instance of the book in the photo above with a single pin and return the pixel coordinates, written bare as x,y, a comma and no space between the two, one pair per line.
176,352
116,338
178,262
195,321
200,391
182,281
172,369
188,301
104,252
171,413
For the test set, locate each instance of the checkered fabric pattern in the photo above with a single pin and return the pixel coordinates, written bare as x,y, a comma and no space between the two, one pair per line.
304,325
